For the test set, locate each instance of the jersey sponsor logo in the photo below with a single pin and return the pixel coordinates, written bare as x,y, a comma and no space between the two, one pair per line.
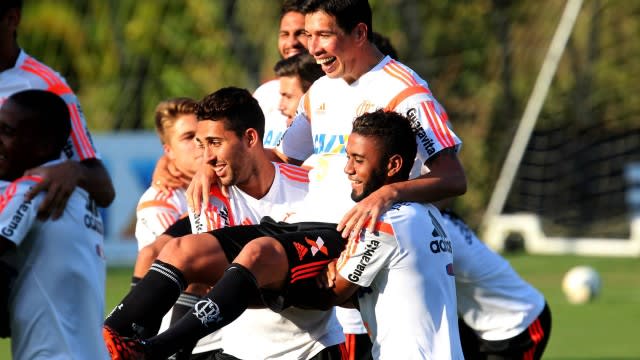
207,312
330,144
10,229
93,223
317,246
301,249
442,244
365,258
449,269
272,138
424,140
198,226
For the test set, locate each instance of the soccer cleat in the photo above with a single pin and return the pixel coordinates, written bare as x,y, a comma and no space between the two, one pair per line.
122,348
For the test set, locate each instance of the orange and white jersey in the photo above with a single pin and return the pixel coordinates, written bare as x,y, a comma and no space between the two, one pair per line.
275,123
293,333
157,211
288,190
326,112
29,73
492,298
408,295
57,300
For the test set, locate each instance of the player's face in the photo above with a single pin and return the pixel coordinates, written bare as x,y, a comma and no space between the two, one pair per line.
291,38
224,151
365,167
16,147
290,94
181,146
332,48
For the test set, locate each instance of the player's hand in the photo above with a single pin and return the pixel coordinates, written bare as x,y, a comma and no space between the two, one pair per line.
198,190
366,212
58,181
327,279
166,176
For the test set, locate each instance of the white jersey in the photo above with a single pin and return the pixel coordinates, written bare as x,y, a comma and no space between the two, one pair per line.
275,123
408,295
322,126
157,211
29,73
57,300
492,298
293,333
331,105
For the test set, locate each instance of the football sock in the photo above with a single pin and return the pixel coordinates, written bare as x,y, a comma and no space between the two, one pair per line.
134,281
183,305
145,304
228,299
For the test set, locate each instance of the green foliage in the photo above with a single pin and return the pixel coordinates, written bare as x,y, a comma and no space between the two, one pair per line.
481,59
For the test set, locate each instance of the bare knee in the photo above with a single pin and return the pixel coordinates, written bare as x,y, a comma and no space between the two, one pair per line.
266,258
199,257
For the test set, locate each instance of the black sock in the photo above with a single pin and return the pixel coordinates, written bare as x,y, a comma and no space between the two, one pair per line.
148,301
183,305
227,300
134,281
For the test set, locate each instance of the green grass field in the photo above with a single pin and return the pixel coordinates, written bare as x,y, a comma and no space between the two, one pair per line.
603,329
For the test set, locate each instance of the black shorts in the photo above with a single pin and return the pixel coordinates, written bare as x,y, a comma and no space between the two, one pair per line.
529,344
309,246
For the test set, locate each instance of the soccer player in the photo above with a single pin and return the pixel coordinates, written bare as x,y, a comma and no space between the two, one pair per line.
501,315
408,256
175,123
295,74
230,129
19,71
56,302
291,41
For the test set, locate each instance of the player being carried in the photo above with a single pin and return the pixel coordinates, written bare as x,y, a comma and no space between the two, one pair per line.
276,264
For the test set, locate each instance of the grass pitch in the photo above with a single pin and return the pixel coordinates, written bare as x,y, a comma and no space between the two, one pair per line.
603,329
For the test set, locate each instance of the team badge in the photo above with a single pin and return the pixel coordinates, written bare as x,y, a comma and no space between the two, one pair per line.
207,312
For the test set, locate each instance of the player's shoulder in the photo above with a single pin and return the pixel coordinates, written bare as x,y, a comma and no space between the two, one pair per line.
293,174
267,89
35,69
153,197
411,212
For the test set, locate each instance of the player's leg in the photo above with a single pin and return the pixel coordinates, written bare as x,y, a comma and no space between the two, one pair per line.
261,263
168,276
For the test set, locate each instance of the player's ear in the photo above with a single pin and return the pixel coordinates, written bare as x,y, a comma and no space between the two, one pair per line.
360,32
168,151
394,165
13,18
251,136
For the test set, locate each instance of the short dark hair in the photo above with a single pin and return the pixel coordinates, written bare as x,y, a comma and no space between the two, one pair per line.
395,134
5,5
291,6
48,115
237,106
384,45
348,13
302,65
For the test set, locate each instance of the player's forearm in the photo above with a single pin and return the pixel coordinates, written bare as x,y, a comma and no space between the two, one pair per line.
445,180
96,181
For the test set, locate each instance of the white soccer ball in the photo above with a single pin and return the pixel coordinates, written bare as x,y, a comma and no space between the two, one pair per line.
581,284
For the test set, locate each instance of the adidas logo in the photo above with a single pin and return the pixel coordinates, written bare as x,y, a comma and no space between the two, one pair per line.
302,251
322,108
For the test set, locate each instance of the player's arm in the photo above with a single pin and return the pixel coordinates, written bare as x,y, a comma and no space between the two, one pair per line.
297,142
61,179
166,176
148,254
437,149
